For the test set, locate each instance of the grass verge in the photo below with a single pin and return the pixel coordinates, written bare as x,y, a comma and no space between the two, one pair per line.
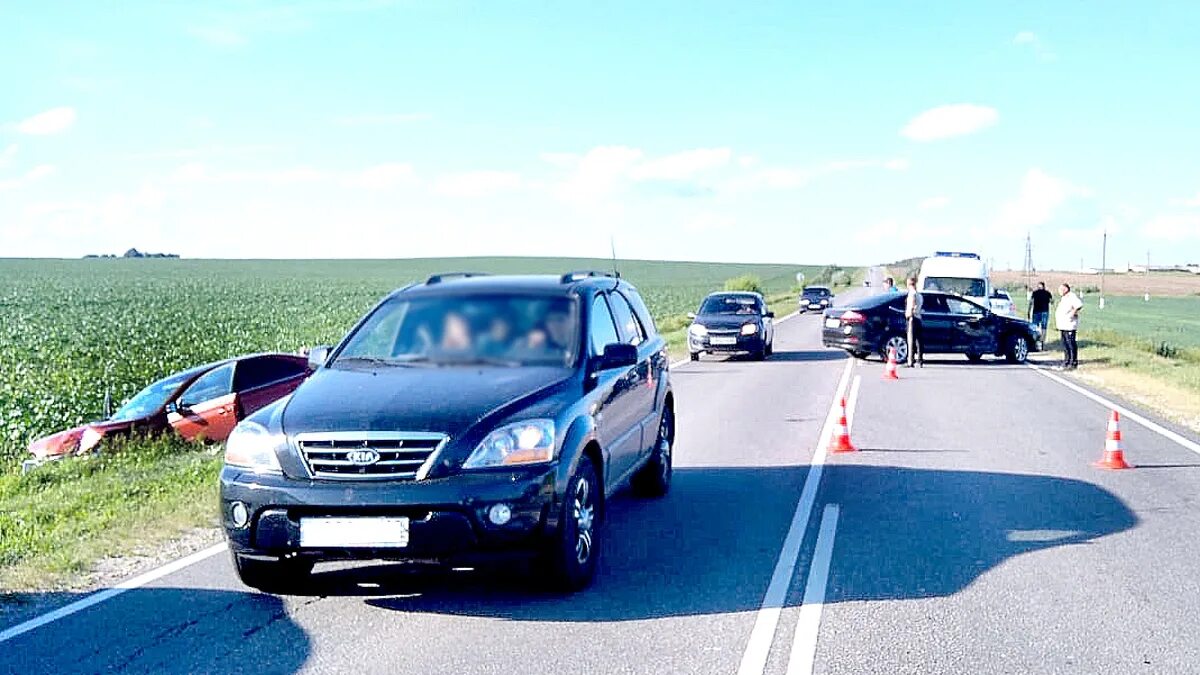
57,521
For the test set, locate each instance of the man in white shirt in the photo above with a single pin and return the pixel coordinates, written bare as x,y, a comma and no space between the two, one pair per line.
912,315
1066,316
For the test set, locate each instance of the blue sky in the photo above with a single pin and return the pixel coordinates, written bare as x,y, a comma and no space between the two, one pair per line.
792,132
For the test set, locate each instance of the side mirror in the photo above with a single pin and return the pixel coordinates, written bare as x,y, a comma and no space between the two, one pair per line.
770,315
618,355
691,315
317,356
177,408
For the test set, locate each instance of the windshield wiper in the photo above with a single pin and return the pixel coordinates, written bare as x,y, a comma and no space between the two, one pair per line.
371,360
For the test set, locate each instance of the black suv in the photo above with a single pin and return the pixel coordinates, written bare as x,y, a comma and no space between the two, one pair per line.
816,298
464,419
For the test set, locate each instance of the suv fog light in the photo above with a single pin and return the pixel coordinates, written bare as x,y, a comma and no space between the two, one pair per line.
239,514
500,514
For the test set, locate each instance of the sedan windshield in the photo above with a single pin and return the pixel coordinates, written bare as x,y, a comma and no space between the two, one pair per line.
149,400
467,330
729,304
973,288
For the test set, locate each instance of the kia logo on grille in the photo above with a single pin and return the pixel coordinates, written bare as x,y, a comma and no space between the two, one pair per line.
363,456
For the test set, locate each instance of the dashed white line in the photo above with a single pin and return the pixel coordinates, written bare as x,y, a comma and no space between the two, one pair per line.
1125,412
804,644
110,593
754,659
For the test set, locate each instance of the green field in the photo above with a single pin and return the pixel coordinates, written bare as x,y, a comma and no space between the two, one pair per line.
72,329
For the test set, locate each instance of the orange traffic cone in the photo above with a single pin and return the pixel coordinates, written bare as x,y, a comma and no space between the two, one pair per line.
841,436
889,371
1114,456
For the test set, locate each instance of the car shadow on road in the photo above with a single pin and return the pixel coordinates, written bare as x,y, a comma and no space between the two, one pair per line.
810,355
710,546
156,630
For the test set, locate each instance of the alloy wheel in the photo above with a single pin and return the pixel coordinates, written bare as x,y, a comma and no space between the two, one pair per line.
584,511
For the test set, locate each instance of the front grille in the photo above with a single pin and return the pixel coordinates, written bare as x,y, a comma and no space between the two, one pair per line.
363,455
723,332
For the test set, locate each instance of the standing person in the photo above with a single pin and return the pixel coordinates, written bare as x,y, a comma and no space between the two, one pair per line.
1039,309
912,314
1066,316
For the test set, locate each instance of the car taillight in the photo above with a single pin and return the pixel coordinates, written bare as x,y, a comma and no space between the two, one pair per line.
851,316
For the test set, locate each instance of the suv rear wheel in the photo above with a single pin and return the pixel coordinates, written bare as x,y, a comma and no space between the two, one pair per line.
654,479
570,556
281,576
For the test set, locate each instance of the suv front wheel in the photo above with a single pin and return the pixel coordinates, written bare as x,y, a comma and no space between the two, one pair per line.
570,556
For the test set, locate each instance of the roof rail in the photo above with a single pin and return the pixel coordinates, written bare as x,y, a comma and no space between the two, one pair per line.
584,274
446,276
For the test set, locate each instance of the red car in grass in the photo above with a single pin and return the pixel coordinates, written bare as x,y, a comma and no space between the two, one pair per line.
202,403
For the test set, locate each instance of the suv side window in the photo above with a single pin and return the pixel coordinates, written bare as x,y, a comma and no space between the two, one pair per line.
601,329
631,329
640,310
213,384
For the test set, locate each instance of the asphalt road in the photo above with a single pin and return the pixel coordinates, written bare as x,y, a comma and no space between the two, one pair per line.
971,536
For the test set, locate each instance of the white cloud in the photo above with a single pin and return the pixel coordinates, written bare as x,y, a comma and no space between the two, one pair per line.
383,176
1030,40
931,203
9,154
474,184
682,165
195,172
33,175
381,119
891,230
1040,196
948,121
52,121
218,36
1174,227
1193,201
598,173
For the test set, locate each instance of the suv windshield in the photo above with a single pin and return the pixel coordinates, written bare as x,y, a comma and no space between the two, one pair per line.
149,400
957,285
729,304
816,292
451,330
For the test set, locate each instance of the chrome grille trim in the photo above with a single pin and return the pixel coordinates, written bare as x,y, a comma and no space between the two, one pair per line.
404,455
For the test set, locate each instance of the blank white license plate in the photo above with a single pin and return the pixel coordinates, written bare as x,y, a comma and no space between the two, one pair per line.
354,532
831,323
724,341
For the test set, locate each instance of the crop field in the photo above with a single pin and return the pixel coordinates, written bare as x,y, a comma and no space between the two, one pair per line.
70,330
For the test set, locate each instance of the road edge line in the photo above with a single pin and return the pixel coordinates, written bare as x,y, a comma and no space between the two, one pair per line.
110,593
808,626
1157,428
766,621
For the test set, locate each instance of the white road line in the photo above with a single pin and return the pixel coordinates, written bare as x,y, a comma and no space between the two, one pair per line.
852,402
1125,412
804,644
110,593
754,659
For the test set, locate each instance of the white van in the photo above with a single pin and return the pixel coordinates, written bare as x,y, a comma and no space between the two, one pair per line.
963,274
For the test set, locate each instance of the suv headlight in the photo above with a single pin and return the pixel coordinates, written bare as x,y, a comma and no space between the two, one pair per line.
749,328
526,442
251,446
696,330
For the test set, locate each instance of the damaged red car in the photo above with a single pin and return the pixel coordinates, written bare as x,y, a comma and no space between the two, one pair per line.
202,403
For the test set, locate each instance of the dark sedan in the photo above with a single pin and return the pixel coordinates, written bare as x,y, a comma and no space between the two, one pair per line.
732,322
950,325
815,298
199,403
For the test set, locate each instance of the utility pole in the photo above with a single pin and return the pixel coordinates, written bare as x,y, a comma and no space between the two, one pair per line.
1147,296
1103,264
1028,265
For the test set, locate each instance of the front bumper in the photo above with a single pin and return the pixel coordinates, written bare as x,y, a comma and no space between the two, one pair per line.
742,343
447,516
